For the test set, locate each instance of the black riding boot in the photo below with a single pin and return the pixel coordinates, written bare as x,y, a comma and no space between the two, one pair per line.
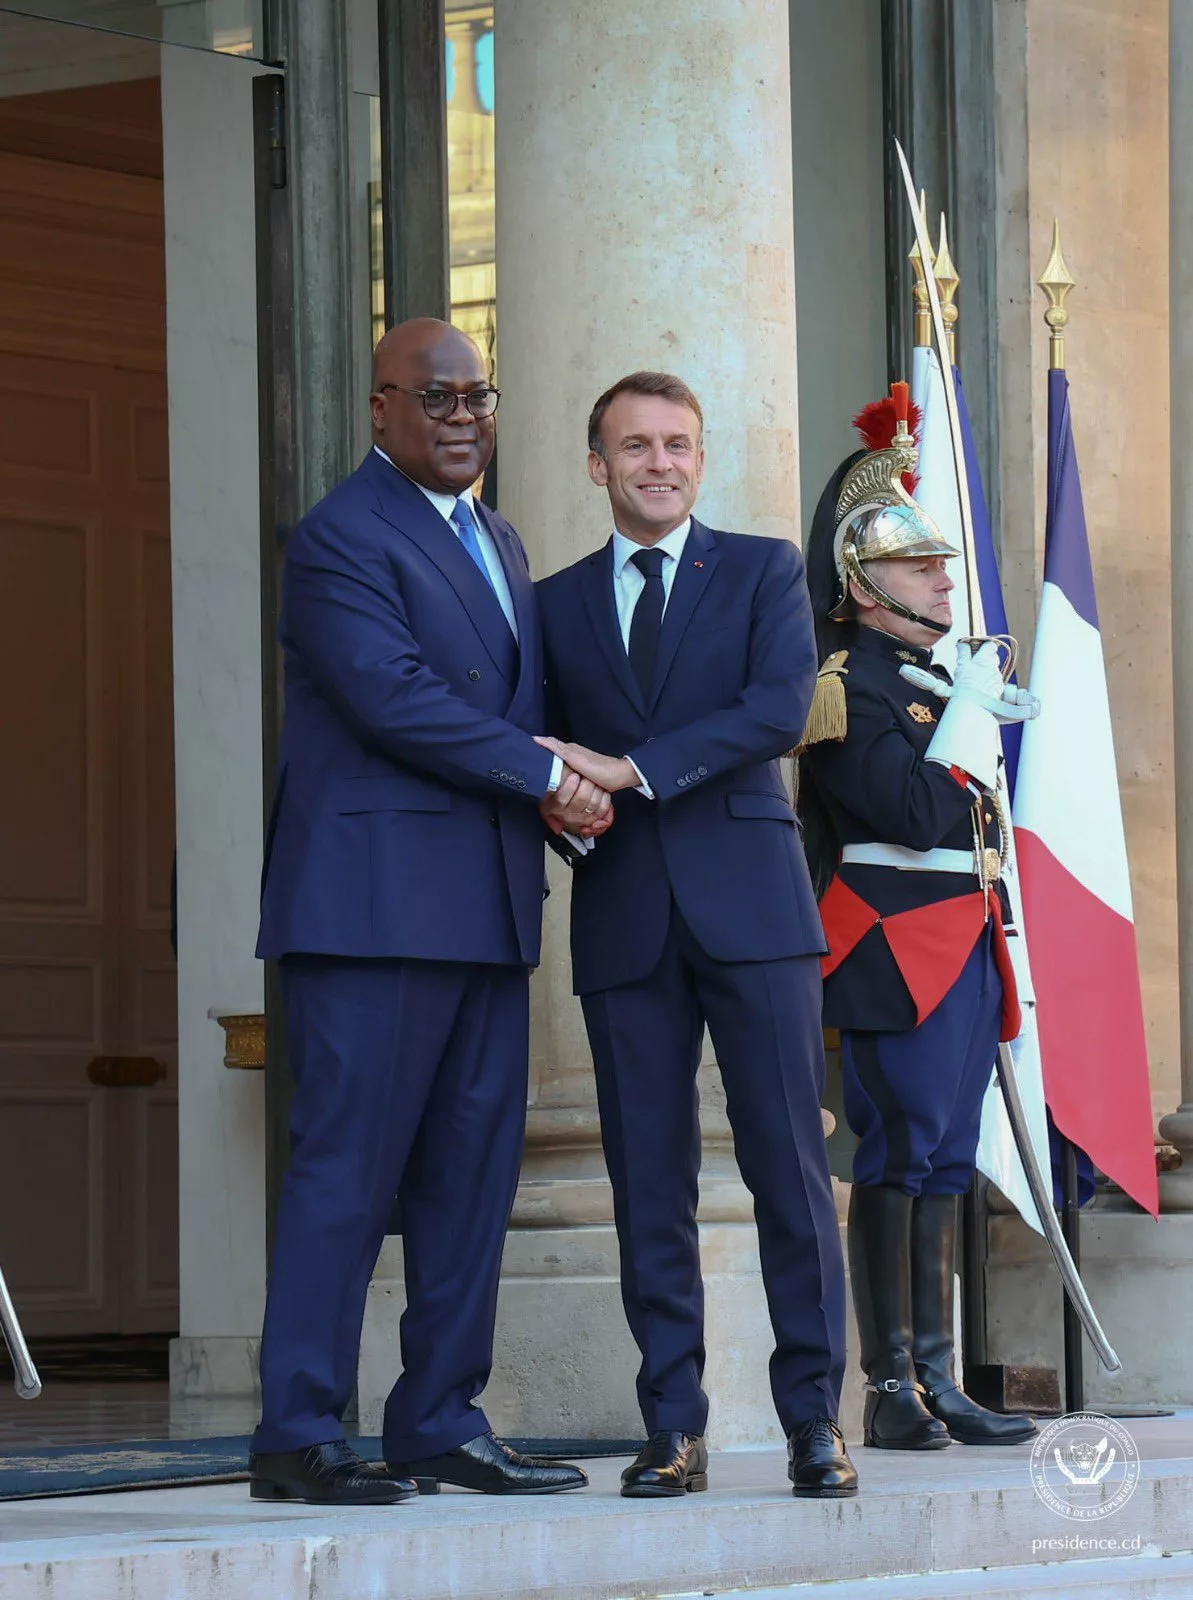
880,1272
933,1263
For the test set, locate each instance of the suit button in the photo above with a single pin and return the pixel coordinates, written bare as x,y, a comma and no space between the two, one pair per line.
702,772
521,783
474,674
493,772
493,818
681,783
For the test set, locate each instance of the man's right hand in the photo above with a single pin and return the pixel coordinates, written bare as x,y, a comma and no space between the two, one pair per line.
578,806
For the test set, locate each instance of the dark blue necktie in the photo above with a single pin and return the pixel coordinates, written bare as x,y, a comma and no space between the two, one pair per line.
470,539
648,617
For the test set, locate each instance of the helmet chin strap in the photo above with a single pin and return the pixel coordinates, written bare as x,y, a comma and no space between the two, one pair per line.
857,572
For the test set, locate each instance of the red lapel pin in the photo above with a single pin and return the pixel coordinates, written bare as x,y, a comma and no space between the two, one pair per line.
697,563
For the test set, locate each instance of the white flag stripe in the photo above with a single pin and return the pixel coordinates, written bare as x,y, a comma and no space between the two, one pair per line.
998,1155
1067,793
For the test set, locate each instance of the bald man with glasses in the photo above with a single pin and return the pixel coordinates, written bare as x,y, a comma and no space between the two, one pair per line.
402,897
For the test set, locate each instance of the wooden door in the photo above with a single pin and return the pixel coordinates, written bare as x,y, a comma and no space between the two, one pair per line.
88,1055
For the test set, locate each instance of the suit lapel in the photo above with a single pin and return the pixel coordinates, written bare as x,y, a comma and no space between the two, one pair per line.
596,585
696,567
405,507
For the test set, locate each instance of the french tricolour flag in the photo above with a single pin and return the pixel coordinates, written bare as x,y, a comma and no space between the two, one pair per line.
1073,857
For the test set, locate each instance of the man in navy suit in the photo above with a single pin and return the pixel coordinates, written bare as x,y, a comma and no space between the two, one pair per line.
681,663
402,896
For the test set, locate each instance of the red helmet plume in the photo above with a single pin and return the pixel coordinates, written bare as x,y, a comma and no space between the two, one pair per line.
876,424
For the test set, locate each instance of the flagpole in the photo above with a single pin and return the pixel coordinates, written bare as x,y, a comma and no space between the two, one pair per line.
1056,281
974,1330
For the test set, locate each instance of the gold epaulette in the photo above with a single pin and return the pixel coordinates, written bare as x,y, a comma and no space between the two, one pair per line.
827,717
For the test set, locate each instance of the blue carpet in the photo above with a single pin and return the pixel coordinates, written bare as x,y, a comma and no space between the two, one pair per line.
174,1463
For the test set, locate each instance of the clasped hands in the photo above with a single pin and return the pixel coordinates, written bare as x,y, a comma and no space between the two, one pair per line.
582,803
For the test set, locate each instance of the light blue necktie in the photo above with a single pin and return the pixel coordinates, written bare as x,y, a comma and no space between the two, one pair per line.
470,539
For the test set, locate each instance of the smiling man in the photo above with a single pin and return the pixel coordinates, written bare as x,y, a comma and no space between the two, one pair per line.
402,897
680,667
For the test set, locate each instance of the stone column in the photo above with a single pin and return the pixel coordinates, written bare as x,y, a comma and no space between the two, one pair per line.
644,200
1176,1188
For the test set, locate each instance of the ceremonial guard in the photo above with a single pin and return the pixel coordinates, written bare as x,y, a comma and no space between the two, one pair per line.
897,795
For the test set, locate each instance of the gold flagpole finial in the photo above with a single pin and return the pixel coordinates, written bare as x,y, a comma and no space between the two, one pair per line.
1056,280
948,281
919,287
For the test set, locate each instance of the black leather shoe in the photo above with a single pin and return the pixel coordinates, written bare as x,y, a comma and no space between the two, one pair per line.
489,1466
668,1464
329,1474
933,1263
818,1463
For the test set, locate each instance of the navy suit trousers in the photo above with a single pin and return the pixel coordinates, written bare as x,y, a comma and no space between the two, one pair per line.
410,1081
914,1098
764,1018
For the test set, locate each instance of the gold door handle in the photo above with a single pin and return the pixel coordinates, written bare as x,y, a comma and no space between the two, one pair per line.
126,1072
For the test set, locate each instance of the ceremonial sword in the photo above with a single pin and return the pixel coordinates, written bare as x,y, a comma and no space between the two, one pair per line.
1007,1078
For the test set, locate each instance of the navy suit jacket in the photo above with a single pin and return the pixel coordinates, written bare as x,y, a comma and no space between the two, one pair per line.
733,682
405,819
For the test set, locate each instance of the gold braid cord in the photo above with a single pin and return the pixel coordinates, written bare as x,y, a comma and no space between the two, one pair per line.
827,716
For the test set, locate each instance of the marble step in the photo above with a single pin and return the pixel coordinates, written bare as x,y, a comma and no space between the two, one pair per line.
1122,1578
949,1514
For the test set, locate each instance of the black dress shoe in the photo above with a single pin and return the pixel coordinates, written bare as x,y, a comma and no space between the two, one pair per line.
489,1466
818,1463
329,1474
668,1464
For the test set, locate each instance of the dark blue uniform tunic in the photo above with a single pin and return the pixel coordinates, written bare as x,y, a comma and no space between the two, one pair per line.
916,1065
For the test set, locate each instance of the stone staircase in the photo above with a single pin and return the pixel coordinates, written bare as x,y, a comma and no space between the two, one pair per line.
962,1523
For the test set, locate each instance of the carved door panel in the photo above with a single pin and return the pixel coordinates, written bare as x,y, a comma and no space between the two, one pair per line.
88,1071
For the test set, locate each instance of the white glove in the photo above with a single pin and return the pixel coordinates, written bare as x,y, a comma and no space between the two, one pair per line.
968,735
1005,701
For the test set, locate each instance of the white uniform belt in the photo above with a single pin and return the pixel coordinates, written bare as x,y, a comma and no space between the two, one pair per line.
896,855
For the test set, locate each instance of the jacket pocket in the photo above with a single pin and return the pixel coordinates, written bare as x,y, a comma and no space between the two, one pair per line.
757,804
393,791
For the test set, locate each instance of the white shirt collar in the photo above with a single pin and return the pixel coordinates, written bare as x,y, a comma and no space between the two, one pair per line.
671,545
445,504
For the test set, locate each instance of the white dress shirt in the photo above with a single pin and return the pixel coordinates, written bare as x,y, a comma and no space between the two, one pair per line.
628,582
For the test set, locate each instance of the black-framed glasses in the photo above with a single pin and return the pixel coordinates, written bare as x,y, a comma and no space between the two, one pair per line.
442,403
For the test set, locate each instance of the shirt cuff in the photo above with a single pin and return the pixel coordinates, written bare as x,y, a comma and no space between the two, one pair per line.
556,777
643,786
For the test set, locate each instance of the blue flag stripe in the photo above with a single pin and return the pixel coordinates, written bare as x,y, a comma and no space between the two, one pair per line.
1066,544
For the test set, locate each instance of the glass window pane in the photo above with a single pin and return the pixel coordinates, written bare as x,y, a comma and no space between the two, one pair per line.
472,173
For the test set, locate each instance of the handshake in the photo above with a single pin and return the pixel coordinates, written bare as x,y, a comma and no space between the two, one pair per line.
582,804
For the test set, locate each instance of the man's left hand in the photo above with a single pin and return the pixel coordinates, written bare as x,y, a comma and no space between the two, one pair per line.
610,772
